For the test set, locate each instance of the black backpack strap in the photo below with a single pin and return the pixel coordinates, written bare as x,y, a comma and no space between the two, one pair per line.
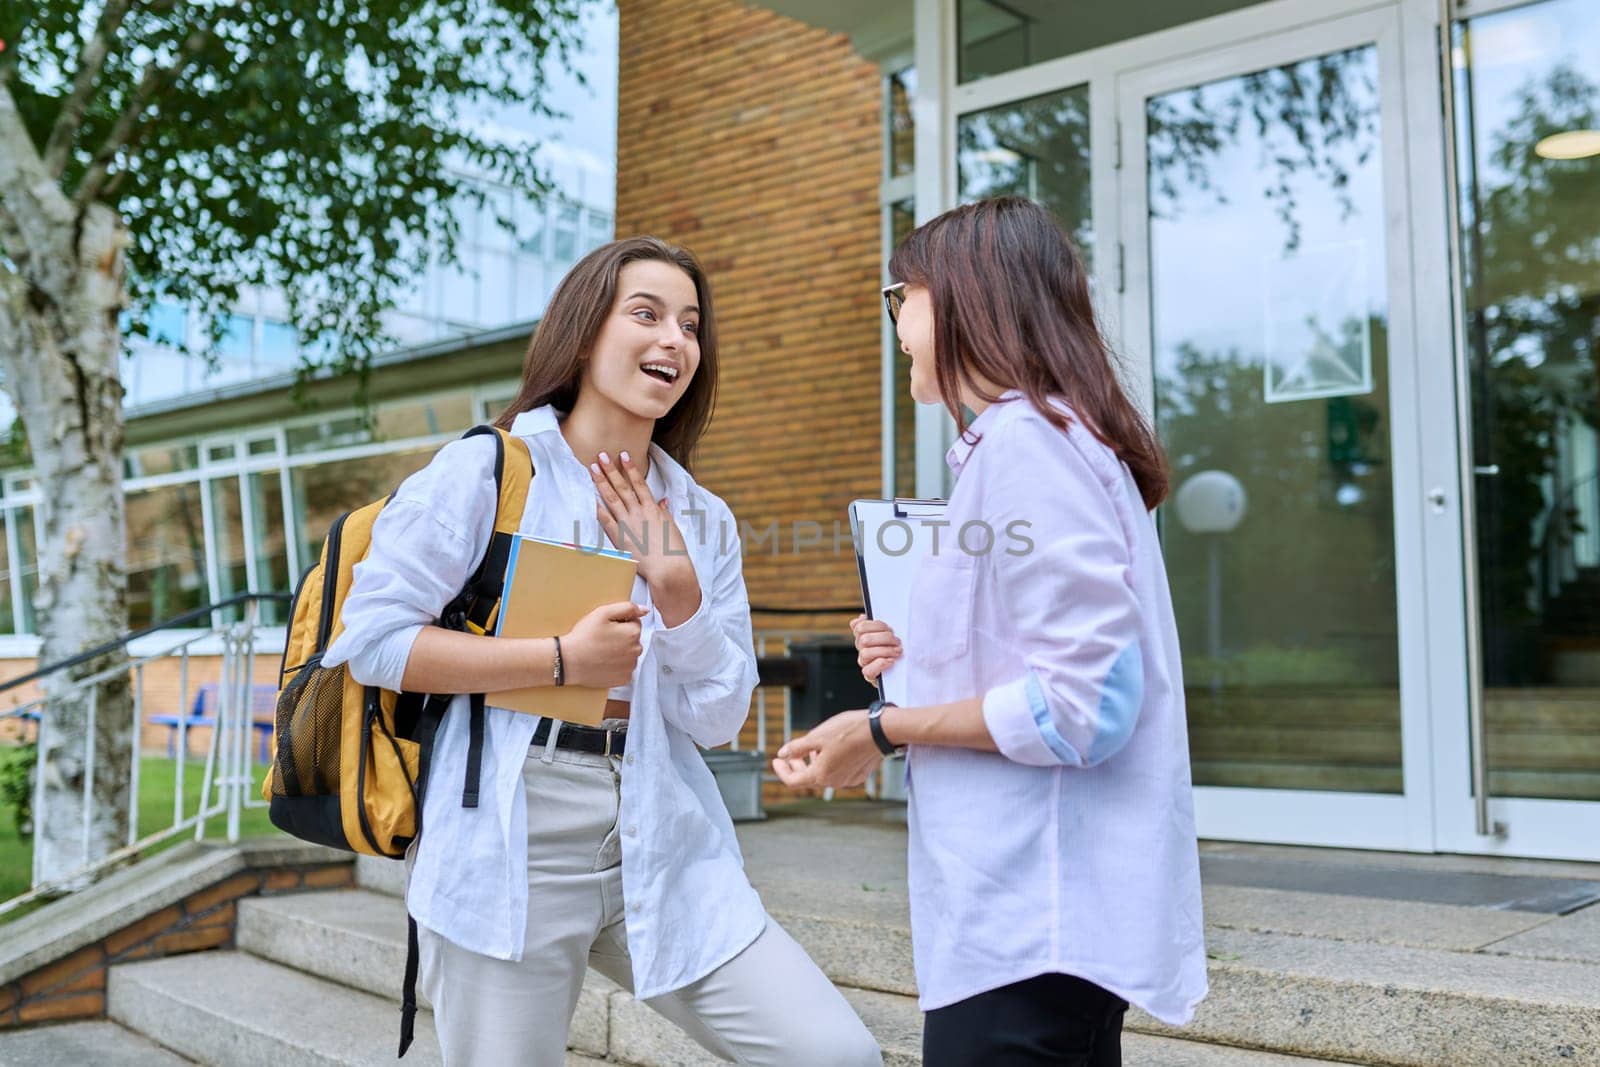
428,720
469,789
408,1002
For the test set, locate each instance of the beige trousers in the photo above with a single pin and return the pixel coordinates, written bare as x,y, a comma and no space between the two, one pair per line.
769,1005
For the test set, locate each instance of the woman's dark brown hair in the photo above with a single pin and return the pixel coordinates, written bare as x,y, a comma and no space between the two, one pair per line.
1011,304
553,369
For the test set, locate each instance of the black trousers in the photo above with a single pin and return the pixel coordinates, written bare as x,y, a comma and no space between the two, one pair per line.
1051,1019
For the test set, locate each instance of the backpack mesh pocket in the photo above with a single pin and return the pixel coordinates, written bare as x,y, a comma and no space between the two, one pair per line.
309,732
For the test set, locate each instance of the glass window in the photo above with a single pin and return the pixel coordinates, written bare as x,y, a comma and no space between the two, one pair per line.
1000,35
220,452
280,345
598,228
227,526
324,491
902,131
167,323
238,338
491,234
459,288
160,459
495,289
166,553
902,220
564,245
270,544
424,418
1037,148
1272,399
533,231
340,432
1528,80
21,520
8,593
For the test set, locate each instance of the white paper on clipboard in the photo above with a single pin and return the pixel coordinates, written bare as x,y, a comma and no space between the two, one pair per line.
892,537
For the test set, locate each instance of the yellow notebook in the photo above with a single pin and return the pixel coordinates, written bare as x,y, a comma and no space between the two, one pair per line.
549,587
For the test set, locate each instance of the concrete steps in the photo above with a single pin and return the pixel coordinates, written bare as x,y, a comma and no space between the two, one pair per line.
237,1009
1297,978
357,937
101,1043
1395,1005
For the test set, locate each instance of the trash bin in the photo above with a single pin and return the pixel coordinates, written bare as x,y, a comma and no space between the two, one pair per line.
833,683
738,776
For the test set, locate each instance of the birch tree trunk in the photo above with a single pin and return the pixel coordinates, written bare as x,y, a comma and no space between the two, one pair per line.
62,288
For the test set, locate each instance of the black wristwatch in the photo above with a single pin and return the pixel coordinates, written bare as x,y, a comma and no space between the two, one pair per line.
879,738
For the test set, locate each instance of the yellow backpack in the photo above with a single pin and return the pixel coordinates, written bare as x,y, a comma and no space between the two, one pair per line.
350,762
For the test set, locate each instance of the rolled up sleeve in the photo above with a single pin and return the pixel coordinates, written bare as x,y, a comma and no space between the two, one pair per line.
1073,611
711,656
425,543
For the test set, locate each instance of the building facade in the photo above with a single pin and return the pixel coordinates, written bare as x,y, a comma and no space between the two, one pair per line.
1368,339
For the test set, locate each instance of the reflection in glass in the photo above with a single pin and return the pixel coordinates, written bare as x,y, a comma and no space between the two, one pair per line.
902,220
166,553
269,542
902,128
1528,81
8,593
1035,148
21,520
227,528
995,36
324,491
1269,327
426,417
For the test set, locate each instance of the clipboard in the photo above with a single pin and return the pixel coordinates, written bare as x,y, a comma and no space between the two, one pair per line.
891,539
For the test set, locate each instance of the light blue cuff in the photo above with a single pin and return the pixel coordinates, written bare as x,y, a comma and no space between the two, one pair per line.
1047,725
1010,714
1121,697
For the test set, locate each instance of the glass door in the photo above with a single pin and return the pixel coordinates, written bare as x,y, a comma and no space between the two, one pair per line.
1266,289
1527,90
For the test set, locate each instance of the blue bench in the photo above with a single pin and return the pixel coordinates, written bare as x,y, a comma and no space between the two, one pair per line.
263,700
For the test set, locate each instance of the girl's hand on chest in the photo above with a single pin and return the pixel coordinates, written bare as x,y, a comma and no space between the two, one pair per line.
638,524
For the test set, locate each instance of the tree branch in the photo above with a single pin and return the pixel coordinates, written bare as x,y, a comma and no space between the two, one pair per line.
149,84
34,207
58,148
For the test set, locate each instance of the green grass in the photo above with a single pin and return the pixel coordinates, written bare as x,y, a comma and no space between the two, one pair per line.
158,780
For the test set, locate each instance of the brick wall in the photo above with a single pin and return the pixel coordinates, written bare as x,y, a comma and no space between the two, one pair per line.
756,141
74,986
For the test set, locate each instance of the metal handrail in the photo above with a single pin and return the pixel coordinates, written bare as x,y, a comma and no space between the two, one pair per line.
227,778
176,622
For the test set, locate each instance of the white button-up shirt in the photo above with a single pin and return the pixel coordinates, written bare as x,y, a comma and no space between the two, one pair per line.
690,906
1072,849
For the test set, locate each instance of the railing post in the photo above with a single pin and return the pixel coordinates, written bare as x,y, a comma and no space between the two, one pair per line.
761,700
183,735
133,768
231,784
88,769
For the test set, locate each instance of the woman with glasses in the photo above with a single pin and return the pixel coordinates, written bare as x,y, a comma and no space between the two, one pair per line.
1054,876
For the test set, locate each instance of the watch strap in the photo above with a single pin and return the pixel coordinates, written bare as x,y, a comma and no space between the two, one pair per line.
879,738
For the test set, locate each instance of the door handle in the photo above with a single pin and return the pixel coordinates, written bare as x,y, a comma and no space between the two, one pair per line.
1488,470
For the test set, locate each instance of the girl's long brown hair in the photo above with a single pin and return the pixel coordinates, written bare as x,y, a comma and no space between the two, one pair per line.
553,369
1011,304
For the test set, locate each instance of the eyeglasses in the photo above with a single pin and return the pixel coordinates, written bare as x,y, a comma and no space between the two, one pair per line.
894,297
